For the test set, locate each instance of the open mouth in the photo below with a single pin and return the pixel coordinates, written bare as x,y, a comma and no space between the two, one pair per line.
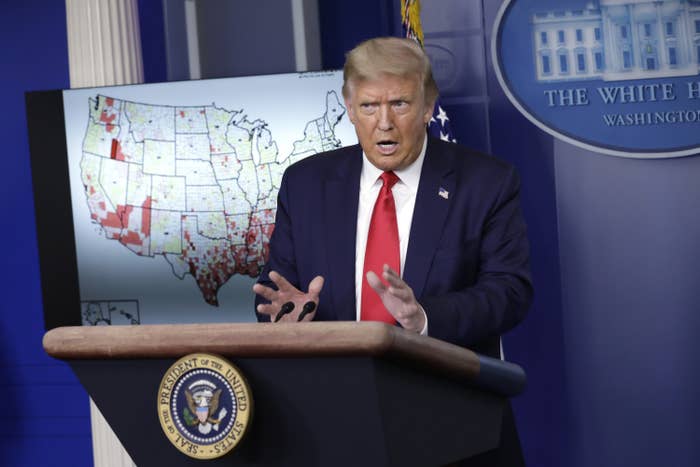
387,146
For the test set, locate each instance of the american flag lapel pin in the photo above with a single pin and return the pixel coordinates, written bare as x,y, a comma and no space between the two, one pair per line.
443,193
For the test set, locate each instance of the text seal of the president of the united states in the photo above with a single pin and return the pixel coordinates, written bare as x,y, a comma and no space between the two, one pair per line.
204,405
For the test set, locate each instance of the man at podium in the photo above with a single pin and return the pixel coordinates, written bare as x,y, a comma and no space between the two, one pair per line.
402,228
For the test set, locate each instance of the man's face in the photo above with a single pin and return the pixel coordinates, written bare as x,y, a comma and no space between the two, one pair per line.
390,115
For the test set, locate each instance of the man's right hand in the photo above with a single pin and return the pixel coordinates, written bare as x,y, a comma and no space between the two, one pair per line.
286,292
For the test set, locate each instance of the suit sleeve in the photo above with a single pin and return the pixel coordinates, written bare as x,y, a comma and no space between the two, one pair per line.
282,254
501,293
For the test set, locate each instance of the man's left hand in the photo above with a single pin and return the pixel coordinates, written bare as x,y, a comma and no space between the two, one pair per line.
398,298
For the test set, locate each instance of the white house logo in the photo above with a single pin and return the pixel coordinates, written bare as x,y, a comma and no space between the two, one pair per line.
614,76
204,406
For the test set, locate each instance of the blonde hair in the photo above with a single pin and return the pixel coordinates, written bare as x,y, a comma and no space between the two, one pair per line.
393,56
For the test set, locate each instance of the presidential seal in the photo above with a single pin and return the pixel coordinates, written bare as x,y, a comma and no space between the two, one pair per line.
204,405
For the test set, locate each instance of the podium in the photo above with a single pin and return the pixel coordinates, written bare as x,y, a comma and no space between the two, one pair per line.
325,394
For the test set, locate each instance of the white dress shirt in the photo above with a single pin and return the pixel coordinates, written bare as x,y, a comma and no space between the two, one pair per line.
404,192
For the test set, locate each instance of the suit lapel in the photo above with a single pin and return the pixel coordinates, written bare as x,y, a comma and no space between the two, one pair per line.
341,199
429,217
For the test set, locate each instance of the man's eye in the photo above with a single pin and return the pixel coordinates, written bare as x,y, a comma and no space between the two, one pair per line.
368,108
401,107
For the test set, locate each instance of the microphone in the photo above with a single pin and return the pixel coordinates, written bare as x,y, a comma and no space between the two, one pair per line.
286,309
308,308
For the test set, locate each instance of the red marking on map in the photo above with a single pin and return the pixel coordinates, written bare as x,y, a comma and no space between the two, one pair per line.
116,224
146,217
116,152
266,216
216,260
124,212
129,237
111,220
108,115
251,237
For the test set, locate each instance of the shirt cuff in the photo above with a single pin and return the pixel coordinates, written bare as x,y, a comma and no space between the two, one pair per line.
424,331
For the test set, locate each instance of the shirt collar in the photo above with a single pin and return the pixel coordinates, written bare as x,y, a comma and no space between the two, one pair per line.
409,176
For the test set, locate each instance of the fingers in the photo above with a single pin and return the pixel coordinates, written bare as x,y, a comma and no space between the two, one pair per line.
282,284
286,292
375,282
405,294
267,309
267,293
388,273
315,287
397,286
392,278
398,299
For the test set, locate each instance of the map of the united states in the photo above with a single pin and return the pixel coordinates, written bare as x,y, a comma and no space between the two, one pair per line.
195,185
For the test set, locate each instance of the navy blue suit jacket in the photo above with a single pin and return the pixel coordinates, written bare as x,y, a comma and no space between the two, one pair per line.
467,258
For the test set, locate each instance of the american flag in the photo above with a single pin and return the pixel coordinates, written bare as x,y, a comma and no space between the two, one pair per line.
439,125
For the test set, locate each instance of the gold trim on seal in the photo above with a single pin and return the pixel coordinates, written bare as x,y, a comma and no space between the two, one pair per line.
228,429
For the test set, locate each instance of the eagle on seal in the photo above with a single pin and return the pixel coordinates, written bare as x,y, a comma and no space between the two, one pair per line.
203,402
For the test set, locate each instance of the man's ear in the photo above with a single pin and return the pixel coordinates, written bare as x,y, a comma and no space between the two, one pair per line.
429,108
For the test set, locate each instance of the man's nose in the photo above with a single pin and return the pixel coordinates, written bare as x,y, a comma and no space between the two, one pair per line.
385,118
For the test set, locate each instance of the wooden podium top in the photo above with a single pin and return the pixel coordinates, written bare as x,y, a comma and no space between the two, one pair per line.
315,339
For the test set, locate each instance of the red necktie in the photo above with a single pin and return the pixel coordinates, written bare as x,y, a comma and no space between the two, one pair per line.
382,248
